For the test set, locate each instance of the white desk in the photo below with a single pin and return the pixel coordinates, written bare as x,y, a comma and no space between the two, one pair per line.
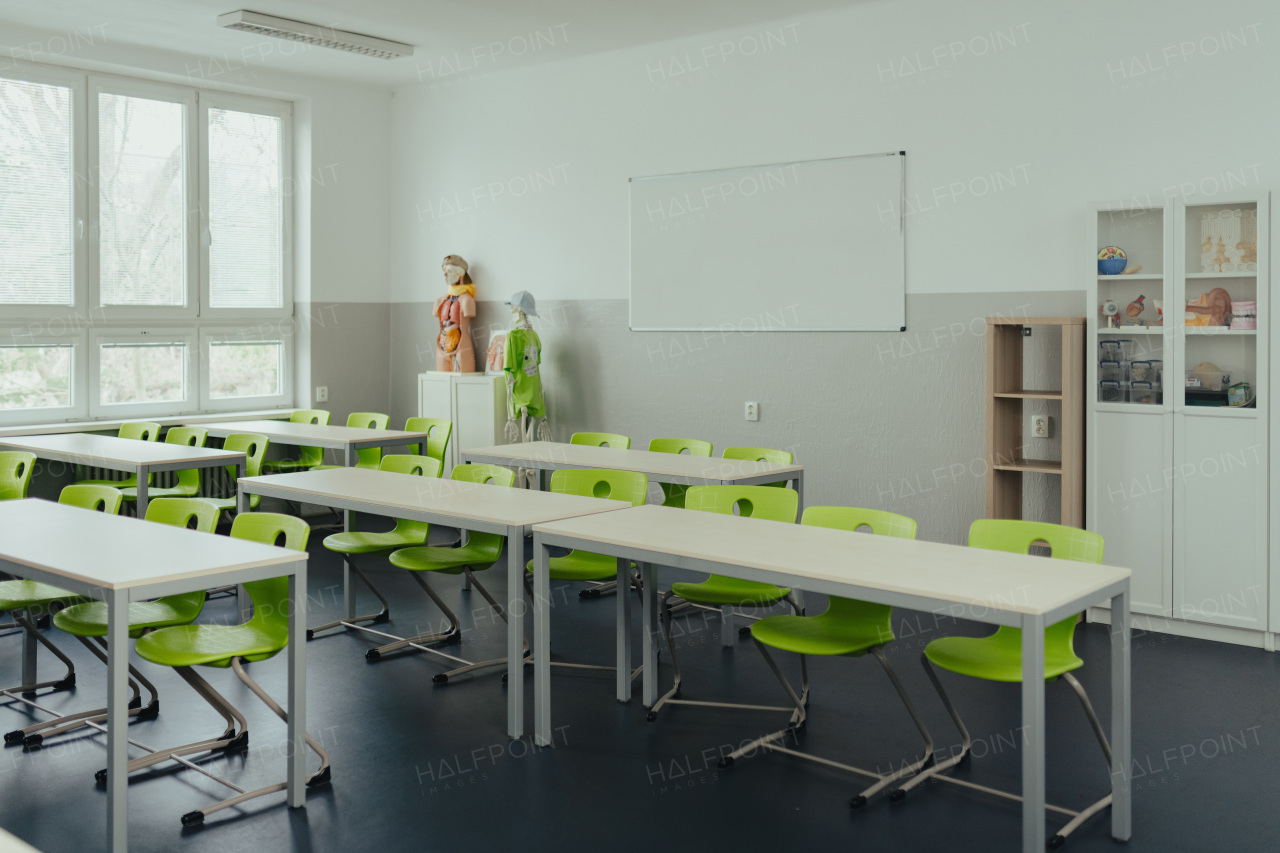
347,439
123,454
1000,588
468,506
118,560
659,467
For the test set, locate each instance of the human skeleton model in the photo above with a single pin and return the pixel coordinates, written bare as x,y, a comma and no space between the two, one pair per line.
455,352
522,363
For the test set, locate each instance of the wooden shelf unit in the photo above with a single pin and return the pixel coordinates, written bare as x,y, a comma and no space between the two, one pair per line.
1006,394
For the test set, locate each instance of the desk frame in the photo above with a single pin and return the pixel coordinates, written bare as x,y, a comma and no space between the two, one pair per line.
1033,652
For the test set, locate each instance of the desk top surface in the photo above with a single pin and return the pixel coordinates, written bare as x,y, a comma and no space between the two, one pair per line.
387,493
995,580
107,451
645,461
287,432
115,552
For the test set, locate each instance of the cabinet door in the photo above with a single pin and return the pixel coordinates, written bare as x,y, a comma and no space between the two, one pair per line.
435,400
1220,504
1133,502
479,406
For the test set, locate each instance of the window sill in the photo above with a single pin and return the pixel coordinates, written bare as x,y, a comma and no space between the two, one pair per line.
171,420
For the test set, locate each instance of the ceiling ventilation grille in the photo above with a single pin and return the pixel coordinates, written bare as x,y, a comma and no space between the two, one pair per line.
300,31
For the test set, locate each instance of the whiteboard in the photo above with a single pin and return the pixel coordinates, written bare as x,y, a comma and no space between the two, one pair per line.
807,246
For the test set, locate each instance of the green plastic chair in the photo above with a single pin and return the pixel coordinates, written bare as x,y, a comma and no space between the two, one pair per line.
673,493
438,431
87,622
30,600
264,636
480,551
368,457
762,454
601,439
140,431
15,474
720,591
998,657
847,628
308,457
188,480
586,566
254,447
405,534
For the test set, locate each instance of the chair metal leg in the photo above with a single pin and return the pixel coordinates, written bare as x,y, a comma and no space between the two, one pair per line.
529,659
450,636
378,618
28,690
966,741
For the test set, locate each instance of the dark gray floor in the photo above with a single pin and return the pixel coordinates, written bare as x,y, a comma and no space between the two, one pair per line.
424,768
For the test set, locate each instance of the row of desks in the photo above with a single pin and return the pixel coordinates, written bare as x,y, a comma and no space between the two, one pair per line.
1004,589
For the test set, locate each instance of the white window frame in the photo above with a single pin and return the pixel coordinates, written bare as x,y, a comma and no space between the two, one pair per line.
264,332
87,326
149,335
79,288
158,92
37,334
283,111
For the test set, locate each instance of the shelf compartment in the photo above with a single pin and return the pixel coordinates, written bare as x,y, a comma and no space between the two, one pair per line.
1138,276
1219,331
1039,466
1222,275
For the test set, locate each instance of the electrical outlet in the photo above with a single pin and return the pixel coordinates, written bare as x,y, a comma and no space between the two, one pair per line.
322,393
753,411
1040,425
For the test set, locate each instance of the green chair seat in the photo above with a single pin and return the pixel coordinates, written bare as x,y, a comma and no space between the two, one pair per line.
208,645
90,619
284,466
581,566
719,590
814,635
359,542
24,594
997,657
481,550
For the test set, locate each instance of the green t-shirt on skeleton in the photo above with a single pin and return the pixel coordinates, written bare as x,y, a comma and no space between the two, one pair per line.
524,380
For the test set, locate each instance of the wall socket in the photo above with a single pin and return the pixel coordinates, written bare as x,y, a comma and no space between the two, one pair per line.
322,393
1041,425
753,411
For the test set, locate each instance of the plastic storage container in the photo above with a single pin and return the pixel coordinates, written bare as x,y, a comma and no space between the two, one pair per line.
1143,392
1208,380
1109,370
1109,391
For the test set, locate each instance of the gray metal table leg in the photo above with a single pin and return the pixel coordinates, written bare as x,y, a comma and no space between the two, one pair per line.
1121,719
541,643
141,474
515,631
118,718
1033,758
297,708
242,505
649,578
348,590
624,630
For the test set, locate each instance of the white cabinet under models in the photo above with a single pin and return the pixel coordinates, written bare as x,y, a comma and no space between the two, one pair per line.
476,403
1178,420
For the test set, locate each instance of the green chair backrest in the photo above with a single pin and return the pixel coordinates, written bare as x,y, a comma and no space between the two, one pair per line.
103,498
438,431
271,597
404,463
180,512
751,501
484,474
190,437
601,439
879,522
601,483
485,544
253,445
673,493
1018,537
421,466
310,457
368,457
141,430
15,473
762,454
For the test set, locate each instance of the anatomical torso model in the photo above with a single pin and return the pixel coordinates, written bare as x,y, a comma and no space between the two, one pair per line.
455,351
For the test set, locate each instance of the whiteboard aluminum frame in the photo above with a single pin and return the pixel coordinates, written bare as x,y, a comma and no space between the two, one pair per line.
902,228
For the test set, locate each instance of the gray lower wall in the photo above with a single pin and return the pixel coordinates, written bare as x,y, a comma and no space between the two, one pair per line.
350,353
890,421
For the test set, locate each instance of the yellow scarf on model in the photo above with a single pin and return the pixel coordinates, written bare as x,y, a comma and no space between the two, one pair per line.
459,289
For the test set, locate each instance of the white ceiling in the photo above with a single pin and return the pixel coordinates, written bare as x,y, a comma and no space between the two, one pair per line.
445,33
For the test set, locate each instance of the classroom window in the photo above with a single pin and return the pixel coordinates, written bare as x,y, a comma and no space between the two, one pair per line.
134,217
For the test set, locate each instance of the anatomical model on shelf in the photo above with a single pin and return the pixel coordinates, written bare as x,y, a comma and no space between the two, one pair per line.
455,352
1210,309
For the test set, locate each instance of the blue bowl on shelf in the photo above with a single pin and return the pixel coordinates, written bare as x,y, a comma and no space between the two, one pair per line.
1112,266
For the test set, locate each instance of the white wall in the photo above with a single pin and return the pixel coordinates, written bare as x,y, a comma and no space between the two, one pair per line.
1014,116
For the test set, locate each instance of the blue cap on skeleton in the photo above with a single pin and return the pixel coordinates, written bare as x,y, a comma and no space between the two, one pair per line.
524,301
